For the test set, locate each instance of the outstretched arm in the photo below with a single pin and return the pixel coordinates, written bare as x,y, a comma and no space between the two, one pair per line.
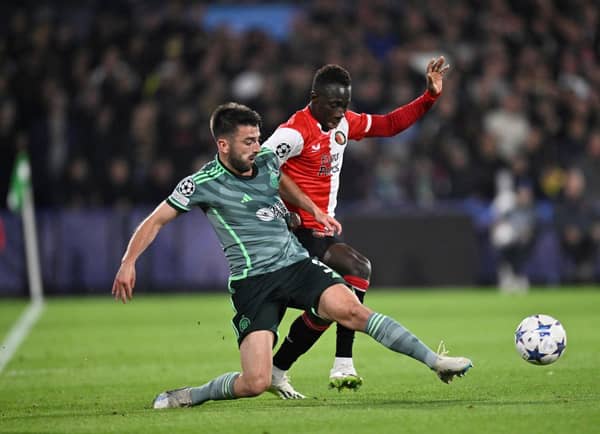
291,193
403,117
142,237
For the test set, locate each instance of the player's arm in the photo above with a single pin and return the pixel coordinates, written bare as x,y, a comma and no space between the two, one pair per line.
285,143
291,193
142,237
403,117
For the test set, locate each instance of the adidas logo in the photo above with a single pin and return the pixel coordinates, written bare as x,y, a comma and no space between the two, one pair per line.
246,198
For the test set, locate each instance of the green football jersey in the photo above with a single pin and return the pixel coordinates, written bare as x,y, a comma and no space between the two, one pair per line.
246,212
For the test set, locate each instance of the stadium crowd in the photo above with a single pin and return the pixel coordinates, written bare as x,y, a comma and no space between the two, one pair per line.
112,98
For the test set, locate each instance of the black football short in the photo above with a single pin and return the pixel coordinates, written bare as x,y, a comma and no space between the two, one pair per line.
316,246
260,301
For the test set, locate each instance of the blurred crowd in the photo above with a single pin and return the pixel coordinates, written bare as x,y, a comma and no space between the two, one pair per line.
112,98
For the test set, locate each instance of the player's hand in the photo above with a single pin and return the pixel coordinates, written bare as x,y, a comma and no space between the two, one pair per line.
331,226
435,75
124,282
293,221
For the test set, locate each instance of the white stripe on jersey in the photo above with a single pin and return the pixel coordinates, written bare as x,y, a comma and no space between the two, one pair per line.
285,143
368,127
336,149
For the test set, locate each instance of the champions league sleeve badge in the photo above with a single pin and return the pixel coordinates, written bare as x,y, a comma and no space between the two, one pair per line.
187,187
283,150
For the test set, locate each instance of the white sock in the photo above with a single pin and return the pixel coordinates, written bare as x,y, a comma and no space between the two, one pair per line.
277,374
343,362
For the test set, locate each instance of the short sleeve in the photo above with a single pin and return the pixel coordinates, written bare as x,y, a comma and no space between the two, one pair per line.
182,196
285,143
358,124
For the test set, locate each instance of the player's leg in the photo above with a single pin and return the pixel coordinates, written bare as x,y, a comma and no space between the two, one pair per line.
258,313
338,304
306,328
355,268
303,333
255,378
256,354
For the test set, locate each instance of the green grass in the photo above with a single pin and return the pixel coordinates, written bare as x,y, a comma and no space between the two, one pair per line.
10,309
91,365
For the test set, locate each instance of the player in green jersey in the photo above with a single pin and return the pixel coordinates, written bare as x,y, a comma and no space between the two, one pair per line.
270,271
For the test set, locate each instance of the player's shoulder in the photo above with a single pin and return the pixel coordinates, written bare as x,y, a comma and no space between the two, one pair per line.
265,154
209,171
352,116
301,121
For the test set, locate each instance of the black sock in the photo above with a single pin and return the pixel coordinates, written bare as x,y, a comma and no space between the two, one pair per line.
298,341
344,336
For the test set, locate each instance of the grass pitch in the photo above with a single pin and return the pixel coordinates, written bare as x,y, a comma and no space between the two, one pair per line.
91,365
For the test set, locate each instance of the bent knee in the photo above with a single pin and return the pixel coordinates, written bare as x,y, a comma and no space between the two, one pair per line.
359,266
255,385
356,316
362,268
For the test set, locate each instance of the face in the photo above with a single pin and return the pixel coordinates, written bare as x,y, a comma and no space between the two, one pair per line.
239,151
329,104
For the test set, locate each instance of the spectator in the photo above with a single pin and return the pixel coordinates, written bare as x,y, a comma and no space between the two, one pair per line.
136,78
590,167
578,227
513,232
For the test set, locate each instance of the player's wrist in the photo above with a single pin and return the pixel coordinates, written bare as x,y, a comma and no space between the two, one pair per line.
430,95
128,261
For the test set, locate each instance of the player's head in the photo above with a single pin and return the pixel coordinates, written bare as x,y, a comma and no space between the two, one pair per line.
236,130
330,95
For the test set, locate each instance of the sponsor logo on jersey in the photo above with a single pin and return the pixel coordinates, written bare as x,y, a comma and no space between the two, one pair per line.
340,138
283,149
277,210
329,164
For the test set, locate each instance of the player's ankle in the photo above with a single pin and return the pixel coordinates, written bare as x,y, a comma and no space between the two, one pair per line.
277,374
340,362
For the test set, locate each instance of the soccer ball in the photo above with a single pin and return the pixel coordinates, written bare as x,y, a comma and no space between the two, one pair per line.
540,339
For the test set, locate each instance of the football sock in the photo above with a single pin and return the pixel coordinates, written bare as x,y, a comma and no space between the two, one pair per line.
340,363
277,374
217,389
394,336
303,333
344,336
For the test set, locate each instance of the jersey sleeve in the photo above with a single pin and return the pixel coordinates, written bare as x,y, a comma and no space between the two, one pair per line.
402,118
285,143
186,195
358,124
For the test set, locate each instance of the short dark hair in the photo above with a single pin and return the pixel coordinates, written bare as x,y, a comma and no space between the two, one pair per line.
227,117
331,74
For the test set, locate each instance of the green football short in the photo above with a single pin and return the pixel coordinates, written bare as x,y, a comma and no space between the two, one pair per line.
260,301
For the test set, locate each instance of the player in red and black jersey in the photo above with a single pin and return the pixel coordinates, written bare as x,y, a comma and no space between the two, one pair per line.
310,146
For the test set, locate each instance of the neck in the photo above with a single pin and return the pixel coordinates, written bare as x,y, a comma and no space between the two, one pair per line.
233,170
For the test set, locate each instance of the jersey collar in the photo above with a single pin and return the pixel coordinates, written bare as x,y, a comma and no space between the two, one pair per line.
316,122
244,177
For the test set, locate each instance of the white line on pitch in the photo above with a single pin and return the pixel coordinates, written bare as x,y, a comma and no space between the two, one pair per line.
19,331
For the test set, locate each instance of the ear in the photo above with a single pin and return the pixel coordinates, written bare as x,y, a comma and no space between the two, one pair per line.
313,95
223,145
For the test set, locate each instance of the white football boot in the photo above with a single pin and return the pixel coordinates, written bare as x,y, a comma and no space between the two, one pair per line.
449,367
173,399
343,375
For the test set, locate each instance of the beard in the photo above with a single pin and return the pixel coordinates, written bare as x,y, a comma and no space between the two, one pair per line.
240,165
